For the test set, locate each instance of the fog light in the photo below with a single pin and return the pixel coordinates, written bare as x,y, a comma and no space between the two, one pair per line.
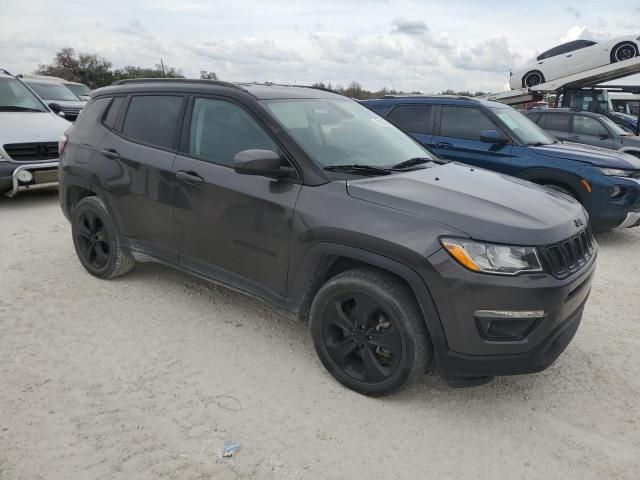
507,324
25,176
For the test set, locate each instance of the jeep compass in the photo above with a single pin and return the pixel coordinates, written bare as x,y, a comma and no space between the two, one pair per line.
398,260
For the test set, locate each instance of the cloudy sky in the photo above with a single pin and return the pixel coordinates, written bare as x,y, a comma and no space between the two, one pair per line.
406,44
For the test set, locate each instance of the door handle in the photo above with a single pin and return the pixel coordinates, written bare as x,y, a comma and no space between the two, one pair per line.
575,136
570,55
443,145
110,153
191,178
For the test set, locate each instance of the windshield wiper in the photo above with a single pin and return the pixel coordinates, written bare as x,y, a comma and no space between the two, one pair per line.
536,144
17,108
359,169
412,162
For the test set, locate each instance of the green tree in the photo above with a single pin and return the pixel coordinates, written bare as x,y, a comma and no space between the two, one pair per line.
204,75
131,71
89,69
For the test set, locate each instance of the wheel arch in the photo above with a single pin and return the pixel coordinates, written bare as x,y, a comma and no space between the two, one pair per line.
542,176
325,260
71,192
528,72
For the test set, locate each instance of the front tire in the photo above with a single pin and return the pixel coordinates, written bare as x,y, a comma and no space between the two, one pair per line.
533,78
624,51
96,241
369,333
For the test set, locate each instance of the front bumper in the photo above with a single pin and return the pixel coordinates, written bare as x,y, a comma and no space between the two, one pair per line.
465,352
42,173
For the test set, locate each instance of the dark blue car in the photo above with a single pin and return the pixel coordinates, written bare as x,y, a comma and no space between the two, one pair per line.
497,137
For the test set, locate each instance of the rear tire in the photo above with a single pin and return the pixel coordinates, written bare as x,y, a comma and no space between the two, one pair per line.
533,78
624,51
96,241
369,333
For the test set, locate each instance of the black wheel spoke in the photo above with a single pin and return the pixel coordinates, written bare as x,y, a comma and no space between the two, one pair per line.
389,340
364,311
341,350
372,370
84,231
340,319
101,252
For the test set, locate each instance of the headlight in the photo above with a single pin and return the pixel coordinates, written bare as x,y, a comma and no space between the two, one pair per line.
616,172
491,258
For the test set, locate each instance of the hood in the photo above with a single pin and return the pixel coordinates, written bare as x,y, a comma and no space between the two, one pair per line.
27,127
625,117
485,205
600,157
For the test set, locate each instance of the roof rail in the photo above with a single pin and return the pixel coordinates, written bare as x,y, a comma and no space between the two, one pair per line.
178,80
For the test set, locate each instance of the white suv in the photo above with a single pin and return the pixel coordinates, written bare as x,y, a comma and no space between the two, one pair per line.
29,135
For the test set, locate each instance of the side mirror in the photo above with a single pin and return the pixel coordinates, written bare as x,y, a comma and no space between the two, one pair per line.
56,108
265,163
492,136
604,136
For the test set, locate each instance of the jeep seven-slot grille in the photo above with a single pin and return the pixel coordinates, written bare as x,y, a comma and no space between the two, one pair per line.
570,255
27,152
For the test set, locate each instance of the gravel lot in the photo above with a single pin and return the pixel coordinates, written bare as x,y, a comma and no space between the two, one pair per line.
147,375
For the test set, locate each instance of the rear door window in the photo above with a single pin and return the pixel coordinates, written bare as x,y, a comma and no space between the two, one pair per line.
464,122
153,119
412,118
556,121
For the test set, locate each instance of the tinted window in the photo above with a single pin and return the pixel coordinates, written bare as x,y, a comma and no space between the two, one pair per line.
566,48
153,119
412,118
220,130
460,122
90,115
584,125
534,117
112,114
556,121
53,91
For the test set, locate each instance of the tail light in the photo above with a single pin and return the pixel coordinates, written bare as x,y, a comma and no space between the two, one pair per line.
62,143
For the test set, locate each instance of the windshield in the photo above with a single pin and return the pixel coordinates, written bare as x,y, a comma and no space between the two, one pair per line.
522,128
78,88
614,127
15,96
341,132
53,91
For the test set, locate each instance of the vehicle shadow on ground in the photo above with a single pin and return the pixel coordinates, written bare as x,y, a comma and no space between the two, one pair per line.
430,389
30,199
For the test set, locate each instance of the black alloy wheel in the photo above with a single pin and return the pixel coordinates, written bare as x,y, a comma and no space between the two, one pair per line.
369,331
361,338
96,241
93,239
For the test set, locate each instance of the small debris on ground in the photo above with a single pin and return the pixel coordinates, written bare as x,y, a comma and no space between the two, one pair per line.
230,448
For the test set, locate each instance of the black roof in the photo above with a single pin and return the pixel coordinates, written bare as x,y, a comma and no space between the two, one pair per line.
255,90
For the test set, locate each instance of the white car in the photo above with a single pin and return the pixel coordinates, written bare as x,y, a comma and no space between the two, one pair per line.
29,136
574,57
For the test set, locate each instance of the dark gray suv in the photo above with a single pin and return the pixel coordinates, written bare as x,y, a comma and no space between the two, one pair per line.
309,201
585,127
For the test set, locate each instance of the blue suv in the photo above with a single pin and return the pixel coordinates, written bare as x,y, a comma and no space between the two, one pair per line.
494,136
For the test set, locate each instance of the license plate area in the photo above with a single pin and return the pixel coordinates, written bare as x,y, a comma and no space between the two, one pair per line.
45,176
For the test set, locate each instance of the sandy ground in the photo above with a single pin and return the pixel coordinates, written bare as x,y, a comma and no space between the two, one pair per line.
146,376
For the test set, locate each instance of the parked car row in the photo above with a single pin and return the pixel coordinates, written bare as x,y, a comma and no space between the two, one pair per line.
494,136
